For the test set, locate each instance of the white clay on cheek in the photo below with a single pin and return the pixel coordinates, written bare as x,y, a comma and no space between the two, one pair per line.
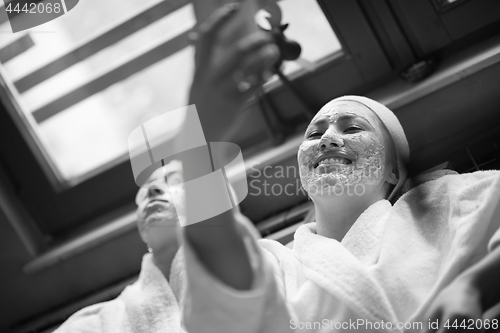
369,166
367,147
308,150
367,169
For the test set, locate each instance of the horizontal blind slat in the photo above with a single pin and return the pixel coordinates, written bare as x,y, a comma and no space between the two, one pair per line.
88,48
117,74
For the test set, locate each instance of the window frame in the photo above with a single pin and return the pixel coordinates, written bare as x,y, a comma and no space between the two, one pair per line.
63,212
421,19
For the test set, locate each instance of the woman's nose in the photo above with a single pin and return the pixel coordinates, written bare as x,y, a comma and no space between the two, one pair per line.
331,141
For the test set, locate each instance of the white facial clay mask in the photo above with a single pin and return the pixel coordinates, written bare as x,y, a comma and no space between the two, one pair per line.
340,155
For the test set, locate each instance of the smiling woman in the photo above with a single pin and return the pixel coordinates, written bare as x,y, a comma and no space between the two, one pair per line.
364,255
347,150
342,139
376,256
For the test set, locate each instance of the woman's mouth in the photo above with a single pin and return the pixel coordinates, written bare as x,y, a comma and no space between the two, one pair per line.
333,161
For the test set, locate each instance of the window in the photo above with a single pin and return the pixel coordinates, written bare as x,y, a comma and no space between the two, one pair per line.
83,109
72,107
371,41
84,137
305,19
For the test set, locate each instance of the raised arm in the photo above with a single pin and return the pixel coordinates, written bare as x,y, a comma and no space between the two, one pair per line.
214,91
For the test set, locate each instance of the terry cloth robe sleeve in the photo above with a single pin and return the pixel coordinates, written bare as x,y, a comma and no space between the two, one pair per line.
149,305
211,306
287,295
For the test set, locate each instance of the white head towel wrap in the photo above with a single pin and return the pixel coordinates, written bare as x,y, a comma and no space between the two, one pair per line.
394,129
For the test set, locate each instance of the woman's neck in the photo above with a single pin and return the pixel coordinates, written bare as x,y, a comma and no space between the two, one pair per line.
334,218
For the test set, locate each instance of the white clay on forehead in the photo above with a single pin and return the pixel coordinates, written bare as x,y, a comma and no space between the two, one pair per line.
334,115
367,147
335,109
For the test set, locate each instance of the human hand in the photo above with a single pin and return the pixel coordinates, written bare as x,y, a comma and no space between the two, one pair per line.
225,78
456,308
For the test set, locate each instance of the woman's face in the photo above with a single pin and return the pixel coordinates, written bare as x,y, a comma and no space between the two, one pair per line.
343,150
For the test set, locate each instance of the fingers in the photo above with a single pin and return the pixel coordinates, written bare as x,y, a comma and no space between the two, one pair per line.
251,57
234,70
260,63
250,50
239,91
206,34
251,73
209,27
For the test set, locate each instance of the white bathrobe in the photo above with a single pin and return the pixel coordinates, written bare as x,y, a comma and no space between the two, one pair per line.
389,266
150,305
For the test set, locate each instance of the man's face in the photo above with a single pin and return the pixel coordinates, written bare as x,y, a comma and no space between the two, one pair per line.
155,201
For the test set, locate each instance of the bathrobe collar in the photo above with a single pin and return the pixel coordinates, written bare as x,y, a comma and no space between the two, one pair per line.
341,267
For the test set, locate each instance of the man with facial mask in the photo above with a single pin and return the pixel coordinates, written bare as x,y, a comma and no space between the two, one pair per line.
151,304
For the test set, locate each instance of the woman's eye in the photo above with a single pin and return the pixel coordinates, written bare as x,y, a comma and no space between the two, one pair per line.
353,129
314,135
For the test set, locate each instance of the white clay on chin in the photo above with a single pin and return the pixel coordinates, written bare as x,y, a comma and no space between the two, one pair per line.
366,169
367,148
